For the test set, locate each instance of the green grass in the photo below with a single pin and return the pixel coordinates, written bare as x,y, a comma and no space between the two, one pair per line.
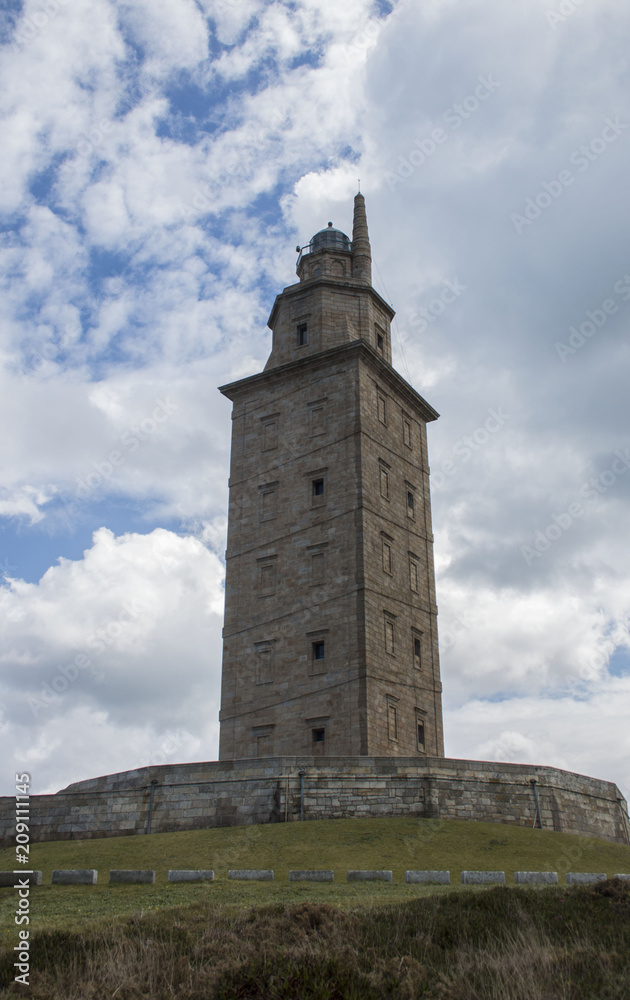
494,944
396,843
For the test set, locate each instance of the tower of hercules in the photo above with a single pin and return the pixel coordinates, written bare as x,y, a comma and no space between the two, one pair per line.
330,632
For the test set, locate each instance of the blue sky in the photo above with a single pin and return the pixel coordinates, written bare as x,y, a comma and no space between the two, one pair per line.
161,162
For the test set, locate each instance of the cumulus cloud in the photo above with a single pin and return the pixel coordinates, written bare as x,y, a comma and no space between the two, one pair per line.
160,162
126,640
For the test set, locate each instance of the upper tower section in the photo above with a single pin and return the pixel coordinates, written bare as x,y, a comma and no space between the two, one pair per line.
334,302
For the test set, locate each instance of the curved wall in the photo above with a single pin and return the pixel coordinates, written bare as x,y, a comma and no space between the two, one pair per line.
268,790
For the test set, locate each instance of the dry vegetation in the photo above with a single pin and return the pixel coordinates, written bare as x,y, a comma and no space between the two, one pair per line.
496,944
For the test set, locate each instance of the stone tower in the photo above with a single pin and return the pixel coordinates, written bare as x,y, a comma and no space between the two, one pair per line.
330,632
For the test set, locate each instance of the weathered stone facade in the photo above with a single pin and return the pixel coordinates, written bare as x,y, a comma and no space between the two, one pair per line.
330,637
281,789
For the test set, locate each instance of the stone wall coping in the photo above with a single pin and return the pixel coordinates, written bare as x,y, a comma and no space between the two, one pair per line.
209,772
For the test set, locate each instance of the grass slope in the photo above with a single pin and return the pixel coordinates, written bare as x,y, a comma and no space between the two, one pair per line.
396,843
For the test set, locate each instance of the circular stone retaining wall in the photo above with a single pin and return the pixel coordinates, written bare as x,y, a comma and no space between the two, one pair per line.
285,789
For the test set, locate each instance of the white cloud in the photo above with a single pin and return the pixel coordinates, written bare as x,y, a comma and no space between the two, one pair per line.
129,635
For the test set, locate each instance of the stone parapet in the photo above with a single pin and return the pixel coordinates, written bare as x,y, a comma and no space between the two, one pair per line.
268,790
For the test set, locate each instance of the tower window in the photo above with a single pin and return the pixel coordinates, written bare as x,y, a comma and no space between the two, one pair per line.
319,650
387,557
390,637
318,487
420,728
413,573
384,483
417,652
319,735
318,568
407,432
270,434
411,504
392,722
382,409
380,342
302,335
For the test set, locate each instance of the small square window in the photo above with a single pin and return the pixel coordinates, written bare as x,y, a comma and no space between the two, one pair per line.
319,735
319,650
318,487
302,334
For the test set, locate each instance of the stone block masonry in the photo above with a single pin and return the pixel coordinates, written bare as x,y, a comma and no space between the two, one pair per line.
428,878
268,790
84,876
181,875
483,878
311,876
536,878
10,879
252,874
585,878
132,877
369,876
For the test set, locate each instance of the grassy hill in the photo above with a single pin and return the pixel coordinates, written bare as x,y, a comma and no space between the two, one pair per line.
268,940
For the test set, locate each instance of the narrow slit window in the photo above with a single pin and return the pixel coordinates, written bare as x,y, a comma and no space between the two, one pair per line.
417,652
384,483
390,637
411,504
387,558
420,733
392,722
302,335
407,432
